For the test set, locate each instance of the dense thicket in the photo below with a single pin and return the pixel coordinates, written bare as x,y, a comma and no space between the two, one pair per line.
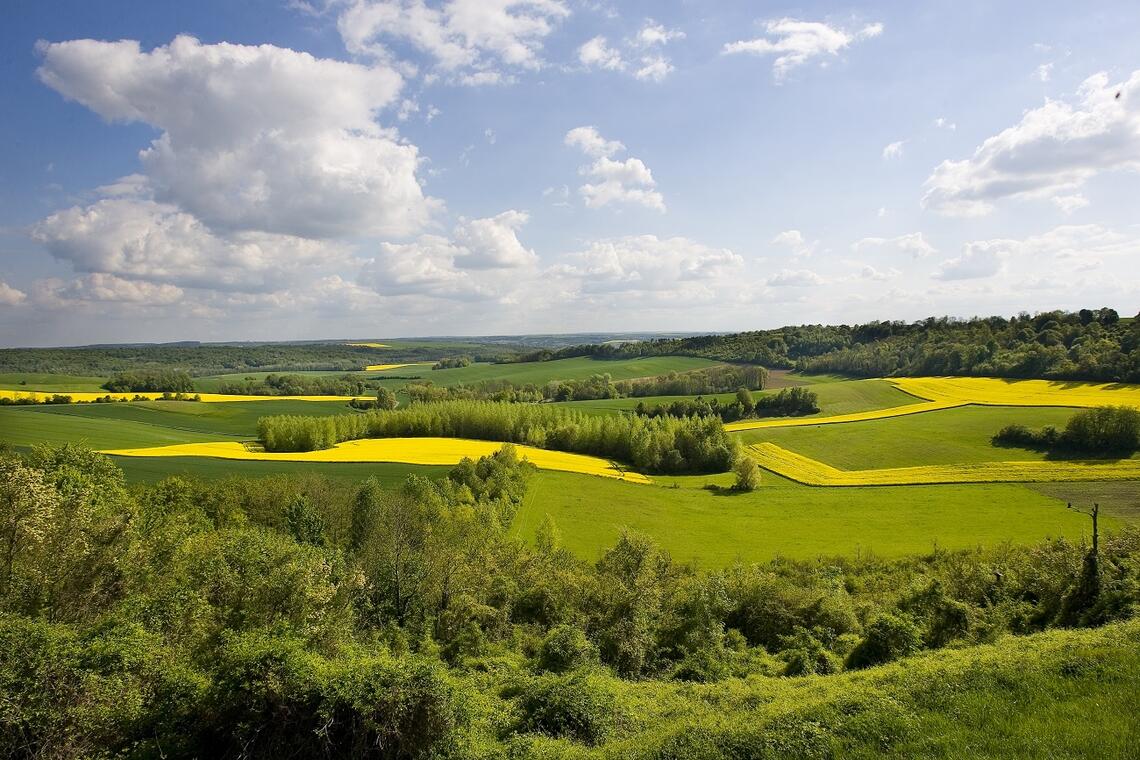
301,385
156,380
660,445
1091,344
787,402
1101,430
301,617
452,362
720,379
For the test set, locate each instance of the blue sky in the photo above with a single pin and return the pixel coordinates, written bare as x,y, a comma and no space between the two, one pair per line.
281,170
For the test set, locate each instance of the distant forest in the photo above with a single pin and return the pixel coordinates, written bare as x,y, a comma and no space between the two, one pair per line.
1092,344
217,358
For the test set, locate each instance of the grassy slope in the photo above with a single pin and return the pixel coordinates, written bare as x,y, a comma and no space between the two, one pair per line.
949,436
145,423
786,519
52,383
562,369
1061,694
836,396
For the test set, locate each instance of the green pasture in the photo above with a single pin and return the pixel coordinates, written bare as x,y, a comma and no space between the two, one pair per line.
561,369
947,436
149,423
784,519
37,381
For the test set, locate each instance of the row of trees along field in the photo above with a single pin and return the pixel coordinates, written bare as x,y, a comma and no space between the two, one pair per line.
725,378
306,617
1090,344
153,380
788,402
1113,430
657,445
301,385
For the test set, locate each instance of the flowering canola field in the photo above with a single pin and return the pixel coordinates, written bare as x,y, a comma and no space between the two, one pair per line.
368,345
382,367
812,472
950,392
427,451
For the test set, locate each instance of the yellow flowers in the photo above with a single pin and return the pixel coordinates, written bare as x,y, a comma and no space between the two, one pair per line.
382,367
874,414
426,451
368,345
812,472
949,392
85,396
992,391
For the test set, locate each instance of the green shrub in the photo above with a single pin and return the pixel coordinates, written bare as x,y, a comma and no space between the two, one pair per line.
576,706
888,637
565,648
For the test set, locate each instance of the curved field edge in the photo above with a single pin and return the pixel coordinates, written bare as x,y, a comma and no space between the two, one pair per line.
420,451
1060,694
949,392
813,472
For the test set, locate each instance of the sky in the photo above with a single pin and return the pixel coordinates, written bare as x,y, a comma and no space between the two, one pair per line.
308,169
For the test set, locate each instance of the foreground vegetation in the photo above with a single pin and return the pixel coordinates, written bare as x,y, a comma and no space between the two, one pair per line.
291,617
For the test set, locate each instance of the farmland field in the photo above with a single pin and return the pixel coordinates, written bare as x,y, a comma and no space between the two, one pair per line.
945,436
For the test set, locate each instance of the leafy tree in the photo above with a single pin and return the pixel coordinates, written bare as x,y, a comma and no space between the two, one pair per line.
747,474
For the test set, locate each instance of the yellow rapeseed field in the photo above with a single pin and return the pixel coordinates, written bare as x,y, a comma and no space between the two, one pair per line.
950,392
85,396
992,391
382,367
812,472
429,451
368,345
873,414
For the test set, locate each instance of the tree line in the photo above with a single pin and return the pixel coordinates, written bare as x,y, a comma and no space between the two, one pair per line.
787,402
1089,344
151,380
653,445
1113,430
719,379
307,617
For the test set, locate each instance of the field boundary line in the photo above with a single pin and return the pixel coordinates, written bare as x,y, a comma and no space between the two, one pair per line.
812,472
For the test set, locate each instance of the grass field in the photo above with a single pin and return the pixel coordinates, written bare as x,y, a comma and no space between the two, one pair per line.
947,436
715,528
152,423
18,381
836,396
812,472
561,369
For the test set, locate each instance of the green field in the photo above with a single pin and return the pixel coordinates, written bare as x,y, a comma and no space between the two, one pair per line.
948,436
784,519
561,369
836,396
40,382
150,423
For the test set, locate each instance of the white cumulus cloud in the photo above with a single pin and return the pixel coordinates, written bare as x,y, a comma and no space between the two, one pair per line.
473,41
611,180
1052,151
795,42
